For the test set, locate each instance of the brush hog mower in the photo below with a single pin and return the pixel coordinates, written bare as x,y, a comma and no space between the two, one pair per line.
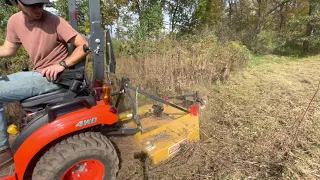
64,134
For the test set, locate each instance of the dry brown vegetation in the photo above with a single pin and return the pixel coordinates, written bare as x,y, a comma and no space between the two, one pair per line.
251,128
171,66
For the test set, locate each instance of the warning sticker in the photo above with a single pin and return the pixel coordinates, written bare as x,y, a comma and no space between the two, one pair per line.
176,147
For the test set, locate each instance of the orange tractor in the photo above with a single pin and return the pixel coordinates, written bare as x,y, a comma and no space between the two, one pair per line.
64,134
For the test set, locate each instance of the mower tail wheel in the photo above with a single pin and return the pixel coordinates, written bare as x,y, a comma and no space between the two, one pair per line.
87,155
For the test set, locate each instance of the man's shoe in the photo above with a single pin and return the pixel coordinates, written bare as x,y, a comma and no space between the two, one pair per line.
6,158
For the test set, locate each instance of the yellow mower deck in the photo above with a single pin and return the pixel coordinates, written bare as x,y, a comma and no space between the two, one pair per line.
163,136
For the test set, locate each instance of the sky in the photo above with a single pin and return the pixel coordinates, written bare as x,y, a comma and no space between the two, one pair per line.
51,9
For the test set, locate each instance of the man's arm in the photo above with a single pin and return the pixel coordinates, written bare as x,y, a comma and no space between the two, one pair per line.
78,41
78,53
8,49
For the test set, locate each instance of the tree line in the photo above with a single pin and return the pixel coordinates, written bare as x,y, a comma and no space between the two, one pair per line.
285,27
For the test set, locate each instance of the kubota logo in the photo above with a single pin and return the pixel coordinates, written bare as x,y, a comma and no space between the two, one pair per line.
87,122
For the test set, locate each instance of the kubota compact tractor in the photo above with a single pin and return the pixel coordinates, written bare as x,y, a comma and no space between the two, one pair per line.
64,134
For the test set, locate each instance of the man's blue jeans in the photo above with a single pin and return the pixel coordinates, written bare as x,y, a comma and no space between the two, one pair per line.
16,87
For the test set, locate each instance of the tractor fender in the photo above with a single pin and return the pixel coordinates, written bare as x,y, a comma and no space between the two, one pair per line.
41,132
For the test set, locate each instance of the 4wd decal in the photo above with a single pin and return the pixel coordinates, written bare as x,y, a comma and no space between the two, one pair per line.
87,122
175,148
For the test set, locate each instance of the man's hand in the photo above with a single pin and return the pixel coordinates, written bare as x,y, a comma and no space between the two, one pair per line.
52,71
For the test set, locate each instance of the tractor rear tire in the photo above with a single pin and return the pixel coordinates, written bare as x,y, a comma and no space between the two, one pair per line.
56,162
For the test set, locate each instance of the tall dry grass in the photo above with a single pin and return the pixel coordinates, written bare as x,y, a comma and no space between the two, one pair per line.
171,66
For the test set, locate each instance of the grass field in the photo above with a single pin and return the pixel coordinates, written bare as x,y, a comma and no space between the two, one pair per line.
263,123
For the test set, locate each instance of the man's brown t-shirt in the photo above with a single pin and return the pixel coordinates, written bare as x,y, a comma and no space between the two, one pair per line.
45,40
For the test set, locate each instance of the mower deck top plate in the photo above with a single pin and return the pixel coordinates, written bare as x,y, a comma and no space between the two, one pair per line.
162,137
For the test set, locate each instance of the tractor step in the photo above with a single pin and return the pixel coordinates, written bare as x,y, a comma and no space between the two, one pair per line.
163,136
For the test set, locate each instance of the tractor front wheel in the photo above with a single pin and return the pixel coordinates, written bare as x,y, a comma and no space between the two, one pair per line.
84,156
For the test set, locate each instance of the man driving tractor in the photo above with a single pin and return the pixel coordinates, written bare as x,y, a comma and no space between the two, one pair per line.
45,37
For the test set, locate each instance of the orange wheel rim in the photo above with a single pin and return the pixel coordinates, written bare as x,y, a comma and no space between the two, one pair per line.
85,170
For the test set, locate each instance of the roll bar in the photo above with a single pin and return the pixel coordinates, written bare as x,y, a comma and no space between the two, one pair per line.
97,42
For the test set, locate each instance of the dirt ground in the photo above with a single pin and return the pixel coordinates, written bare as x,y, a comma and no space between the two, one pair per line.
254,127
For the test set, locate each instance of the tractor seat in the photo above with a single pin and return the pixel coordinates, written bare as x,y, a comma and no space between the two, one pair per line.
52,97
71,79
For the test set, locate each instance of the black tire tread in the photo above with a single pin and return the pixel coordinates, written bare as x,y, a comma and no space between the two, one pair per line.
61,151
